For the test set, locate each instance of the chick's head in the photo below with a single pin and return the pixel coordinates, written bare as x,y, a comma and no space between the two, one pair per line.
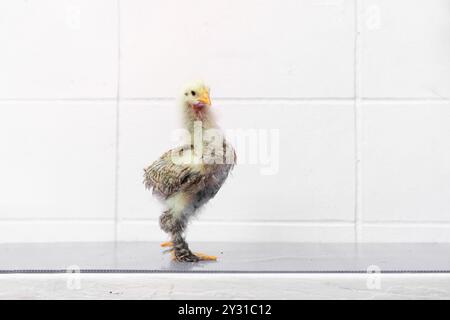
196,96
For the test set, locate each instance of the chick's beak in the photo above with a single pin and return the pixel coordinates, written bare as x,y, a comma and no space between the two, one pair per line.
204,98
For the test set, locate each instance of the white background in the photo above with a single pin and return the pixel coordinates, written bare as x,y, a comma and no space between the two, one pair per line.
359,91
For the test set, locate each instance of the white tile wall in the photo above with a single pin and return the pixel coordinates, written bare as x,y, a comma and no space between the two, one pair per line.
58,160
58,49
405,232
258,48
357,88
229,231
406,167
406,52
13,231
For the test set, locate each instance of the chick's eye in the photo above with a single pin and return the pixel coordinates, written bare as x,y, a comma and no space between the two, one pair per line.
193,93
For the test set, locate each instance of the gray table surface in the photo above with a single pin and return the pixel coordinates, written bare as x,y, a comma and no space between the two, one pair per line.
232,257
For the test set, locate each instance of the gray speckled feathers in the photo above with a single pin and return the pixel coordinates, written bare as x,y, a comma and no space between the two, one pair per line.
165,177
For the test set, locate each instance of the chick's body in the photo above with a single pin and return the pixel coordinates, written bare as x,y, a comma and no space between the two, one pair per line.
187,177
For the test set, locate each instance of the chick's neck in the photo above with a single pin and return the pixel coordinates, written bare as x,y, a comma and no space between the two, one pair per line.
199,119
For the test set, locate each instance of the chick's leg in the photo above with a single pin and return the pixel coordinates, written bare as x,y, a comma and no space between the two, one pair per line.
181,251
167,244
205,257
166,223
174,222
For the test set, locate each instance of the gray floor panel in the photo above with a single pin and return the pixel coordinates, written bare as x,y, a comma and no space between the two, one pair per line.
233,257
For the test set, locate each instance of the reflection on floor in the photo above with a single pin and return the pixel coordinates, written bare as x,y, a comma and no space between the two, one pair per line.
232,257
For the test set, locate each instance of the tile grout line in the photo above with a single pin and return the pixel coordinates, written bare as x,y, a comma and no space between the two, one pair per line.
358,125
116,171
400,224
246,222
382,224
240,99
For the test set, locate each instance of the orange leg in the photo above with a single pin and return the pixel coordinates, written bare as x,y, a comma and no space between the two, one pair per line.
167,244
201,256
205,257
